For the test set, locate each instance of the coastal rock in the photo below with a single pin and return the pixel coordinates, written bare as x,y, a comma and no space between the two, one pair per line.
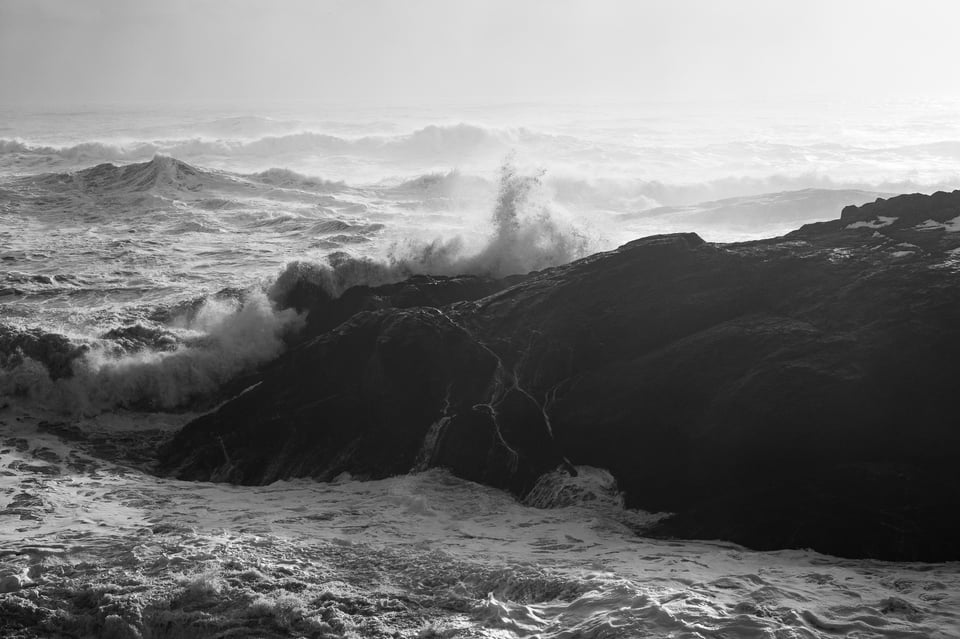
785,393
385,393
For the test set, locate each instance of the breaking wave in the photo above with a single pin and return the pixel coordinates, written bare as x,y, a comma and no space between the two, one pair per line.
198,351
221,340
526,236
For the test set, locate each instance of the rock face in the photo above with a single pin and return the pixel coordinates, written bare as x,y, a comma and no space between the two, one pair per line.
793,392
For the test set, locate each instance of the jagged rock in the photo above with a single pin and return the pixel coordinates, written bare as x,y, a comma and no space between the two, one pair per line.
793,392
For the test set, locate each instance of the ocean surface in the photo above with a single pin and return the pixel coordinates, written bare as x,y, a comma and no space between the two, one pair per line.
142,253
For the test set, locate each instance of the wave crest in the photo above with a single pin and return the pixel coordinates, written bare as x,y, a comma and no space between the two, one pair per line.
285,178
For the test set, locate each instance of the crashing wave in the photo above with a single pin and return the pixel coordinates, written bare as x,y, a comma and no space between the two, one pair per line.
526,237
155,368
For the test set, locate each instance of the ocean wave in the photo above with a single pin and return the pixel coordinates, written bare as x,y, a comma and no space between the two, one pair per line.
149,368
286,178
609,175
160,173
527,235
449,184
443,141
84,152
435,142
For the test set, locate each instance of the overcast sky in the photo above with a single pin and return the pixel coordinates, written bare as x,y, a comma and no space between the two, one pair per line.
415,51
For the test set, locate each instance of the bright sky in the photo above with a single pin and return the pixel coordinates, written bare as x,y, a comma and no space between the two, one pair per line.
416,51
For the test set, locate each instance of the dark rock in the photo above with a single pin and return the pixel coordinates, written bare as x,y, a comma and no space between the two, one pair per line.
794,392
303,288
387,392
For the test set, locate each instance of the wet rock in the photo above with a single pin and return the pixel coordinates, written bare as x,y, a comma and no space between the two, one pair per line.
785,393
375,397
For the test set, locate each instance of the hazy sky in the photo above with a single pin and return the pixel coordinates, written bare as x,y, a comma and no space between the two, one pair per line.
415,51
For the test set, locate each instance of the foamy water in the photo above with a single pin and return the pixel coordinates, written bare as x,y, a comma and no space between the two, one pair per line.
421,555
144,255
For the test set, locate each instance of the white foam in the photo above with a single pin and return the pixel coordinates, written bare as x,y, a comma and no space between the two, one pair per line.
433,551
879,223
950,226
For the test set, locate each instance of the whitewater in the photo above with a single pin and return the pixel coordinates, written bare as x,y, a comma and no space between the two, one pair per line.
146,259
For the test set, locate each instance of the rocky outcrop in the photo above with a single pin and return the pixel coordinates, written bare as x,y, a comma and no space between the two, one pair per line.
793,392
383,394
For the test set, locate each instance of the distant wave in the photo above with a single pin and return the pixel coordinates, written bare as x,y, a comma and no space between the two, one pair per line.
208,189
106,178
602,175
291,179
430,140
83,152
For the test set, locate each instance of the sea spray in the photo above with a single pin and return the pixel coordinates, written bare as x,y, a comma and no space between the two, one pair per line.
226,339
527,235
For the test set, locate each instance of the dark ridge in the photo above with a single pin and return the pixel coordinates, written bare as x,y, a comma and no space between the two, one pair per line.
798,392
